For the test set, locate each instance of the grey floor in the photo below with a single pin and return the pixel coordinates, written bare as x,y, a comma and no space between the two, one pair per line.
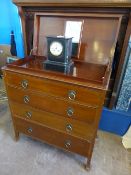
31,157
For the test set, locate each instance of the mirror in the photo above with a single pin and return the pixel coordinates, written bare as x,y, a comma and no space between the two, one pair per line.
73,29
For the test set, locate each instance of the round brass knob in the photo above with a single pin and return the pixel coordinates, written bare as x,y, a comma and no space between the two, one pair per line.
29,130
24,84
28,114
70,111
67,143
69,127
71,94
26,99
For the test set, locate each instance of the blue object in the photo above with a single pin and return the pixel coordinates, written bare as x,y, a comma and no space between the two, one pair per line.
115,121
10,20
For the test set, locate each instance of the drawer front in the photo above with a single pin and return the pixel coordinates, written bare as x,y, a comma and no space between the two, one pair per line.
54,105
53,137
66,125
55,88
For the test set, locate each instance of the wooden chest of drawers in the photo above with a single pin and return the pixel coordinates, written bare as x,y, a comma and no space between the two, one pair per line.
54,108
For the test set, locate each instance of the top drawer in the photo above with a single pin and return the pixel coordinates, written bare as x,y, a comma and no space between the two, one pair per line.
55,88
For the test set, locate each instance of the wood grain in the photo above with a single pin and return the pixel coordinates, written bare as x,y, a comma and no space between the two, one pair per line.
80,113
79,129
52,136
57,89
77,3
55,105
98,35
84,74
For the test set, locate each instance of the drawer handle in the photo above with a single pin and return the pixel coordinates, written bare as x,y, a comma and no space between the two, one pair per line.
24,84
67,143
69,127
26,99
70,111
71,94
29,130
28,114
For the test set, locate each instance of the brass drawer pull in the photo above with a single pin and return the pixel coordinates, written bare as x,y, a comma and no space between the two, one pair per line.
69,127
26,99
67,143
72,95
70,111
28,114
29,130
24,84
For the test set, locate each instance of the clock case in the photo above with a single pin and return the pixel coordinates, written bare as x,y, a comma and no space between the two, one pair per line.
62,62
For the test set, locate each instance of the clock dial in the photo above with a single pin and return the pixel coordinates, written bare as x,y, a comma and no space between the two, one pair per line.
56,48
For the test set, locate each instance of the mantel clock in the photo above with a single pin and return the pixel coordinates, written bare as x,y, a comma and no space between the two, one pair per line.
59,50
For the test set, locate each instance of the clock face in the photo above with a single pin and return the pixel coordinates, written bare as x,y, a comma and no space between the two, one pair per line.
56,48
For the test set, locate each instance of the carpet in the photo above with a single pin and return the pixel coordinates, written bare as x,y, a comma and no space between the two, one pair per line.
3,95
31,157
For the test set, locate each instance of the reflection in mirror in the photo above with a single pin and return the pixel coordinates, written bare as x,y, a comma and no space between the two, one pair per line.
73,29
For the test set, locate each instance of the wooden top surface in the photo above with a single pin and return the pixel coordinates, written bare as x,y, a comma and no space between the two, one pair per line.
85,74
74,3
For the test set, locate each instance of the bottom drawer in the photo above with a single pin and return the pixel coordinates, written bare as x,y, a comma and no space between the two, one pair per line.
53,137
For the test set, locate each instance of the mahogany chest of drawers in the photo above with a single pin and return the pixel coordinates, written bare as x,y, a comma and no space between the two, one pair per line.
55,108
63,109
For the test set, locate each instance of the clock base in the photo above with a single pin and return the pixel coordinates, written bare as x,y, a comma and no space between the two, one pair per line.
59,67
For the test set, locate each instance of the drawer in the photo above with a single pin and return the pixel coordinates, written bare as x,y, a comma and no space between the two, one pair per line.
54,105
53,137
66,125
56,88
